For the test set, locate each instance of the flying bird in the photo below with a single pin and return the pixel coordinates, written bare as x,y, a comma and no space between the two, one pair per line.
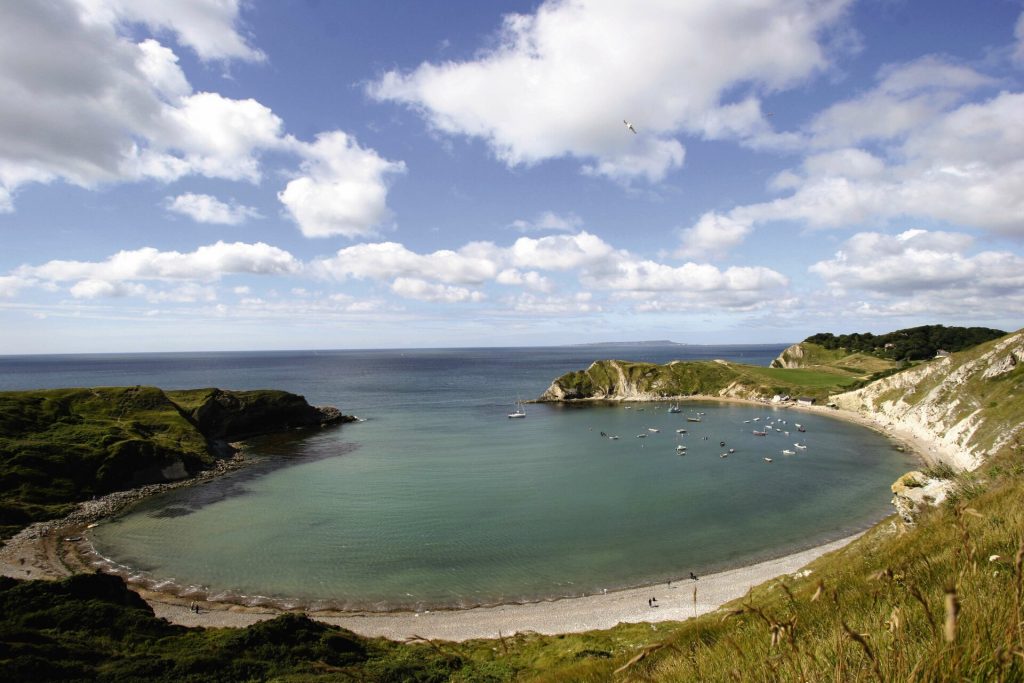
629,126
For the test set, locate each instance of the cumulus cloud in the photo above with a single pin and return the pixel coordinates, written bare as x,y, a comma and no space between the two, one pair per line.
343,190
84,104
919,269
204,208
553,87
413,288
963,164
559,252
118,275
714,234
210,27
387,260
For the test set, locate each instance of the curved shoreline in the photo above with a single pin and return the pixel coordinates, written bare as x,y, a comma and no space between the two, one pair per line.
47,553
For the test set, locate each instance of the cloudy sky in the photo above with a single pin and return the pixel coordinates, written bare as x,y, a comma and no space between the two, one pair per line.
288,174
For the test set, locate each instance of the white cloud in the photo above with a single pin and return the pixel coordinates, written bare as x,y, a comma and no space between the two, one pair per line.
714,234
93,289
964,166
921,271
10,285
207,26
413,288
208,262
204,208
549,221
83,104
387,260
531,280
561,80
559,252
343,190
578,304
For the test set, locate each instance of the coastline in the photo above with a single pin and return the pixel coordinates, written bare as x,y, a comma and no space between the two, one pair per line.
49,550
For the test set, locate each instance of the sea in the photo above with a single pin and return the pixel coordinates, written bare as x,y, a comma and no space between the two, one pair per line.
436,499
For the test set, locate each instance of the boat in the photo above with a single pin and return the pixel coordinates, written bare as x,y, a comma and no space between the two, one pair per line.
519,411
680,447
724,455
680,431
800,429
613,438
788,452
674,409
652,430
757,433
767,459
641,436
732,450
693,419
800,446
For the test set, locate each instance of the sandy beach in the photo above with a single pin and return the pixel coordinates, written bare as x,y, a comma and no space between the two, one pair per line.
42,552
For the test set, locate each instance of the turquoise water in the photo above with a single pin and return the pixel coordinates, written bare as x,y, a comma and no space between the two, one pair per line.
439,500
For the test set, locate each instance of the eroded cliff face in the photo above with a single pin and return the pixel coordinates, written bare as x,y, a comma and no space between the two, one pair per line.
791,357
965,406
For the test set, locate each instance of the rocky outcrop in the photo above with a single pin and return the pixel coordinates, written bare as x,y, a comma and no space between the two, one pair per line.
915,491
234,415
966,406
791,357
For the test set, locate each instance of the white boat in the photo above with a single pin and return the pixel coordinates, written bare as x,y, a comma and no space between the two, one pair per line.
680,447
788,452
641,436
652,430
613,438
519,411
800,446
674,409
767,459
680,431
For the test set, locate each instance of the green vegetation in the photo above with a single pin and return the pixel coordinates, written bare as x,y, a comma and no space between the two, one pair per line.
66,445
915,343
705,378
938,601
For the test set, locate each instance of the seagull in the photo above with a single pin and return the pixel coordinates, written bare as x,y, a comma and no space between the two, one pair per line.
629,126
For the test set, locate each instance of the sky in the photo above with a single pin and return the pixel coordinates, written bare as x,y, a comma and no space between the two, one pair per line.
308,174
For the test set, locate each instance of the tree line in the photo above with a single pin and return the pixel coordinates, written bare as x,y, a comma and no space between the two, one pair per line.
914,343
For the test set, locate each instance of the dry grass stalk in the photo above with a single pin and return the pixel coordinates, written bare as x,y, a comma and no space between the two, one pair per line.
924,603
952,614
862,640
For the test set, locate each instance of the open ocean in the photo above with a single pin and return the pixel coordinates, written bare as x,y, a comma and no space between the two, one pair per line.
439,500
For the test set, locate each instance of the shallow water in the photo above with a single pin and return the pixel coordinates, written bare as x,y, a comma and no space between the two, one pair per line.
440,500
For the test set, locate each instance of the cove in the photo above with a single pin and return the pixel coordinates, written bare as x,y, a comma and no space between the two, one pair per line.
451,504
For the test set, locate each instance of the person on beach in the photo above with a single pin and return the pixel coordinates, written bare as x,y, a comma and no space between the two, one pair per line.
693,576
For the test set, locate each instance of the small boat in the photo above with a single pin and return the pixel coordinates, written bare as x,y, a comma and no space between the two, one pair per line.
746,421
721,443
680,431
786,433
674,409
767,459
732,450
693,419
724,455
800,429
652,430
798,425
757,419
680,447
613,438
800,446
519,411
757,433
788,452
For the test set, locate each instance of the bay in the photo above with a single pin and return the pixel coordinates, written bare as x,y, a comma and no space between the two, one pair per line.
439,500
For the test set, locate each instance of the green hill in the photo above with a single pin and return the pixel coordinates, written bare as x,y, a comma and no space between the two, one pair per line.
625,380
61,446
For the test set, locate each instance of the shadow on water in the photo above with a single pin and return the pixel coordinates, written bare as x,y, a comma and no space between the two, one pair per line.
268,454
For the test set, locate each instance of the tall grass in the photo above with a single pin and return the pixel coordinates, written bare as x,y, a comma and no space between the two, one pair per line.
941,600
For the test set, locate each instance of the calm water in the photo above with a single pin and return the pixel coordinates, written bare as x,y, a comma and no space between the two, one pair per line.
438,499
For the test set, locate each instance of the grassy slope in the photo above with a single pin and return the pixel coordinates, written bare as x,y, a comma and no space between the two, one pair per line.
703,378
64,445
841,361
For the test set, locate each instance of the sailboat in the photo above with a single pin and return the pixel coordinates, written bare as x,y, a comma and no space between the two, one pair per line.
519,411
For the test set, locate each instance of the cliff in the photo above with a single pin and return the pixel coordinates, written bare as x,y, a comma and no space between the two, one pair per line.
65,445
967,405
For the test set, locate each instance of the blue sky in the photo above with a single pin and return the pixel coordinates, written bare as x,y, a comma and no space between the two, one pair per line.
218,175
